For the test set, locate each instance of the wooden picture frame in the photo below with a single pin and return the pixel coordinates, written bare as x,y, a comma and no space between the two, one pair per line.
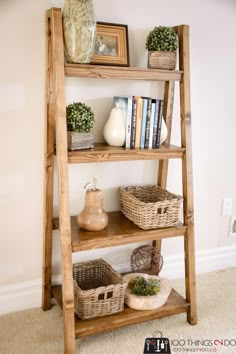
111,45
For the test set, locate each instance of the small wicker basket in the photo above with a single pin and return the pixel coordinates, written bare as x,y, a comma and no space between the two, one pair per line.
98,289
150,206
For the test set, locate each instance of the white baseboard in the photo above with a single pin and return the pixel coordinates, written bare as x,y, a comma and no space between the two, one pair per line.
27,295
209,260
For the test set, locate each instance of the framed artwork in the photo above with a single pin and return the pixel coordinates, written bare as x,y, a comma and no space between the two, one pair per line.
111,45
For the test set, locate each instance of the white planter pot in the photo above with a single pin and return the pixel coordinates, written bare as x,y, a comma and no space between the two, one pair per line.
147,302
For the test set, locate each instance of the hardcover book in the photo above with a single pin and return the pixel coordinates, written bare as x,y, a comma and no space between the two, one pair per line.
153,109
133,124
148,119
126,106
139,111
155,123
144,119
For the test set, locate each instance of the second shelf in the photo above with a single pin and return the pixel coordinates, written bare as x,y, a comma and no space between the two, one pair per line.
120,231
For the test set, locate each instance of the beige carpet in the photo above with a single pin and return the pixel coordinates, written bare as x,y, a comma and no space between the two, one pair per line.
38,332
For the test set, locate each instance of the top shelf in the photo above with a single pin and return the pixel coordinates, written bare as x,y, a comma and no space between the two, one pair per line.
117,72
104,153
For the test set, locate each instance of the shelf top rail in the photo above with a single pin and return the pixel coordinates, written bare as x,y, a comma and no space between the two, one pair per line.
116,72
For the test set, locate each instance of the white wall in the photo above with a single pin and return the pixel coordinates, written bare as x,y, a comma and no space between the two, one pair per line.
213,56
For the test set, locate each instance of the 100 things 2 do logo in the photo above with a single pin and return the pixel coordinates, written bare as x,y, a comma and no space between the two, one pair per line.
157,344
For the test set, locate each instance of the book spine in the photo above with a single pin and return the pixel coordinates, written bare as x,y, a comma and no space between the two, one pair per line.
144,118
139,109
148,119
160,113
133,124
128,123
154,138
151,124
126,106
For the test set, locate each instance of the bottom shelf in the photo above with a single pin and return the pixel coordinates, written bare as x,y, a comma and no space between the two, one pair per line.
176,304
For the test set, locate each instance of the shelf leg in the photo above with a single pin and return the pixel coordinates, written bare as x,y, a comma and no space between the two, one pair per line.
190,281
187,174
163,164
63,186
69,327
48,175
167,114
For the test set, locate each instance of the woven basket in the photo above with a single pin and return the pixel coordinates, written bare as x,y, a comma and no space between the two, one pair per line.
161,60
150,206
98,289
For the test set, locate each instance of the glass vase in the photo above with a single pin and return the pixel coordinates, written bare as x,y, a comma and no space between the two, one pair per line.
79,27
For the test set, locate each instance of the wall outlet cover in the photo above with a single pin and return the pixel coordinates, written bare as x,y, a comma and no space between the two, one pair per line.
226,206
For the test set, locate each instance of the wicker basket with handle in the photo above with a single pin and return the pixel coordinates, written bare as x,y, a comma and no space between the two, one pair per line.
98,289
150,206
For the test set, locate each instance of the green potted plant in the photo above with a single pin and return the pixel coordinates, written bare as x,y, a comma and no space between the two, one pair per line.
162,43
144,287
80,122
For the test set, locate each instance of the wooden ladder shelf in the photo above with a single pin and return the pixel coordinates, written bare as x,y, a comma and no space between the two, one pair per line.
74,240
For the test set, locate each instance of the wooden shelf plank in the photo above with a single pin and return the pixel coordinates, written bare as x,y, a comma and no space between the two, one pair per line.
120,231
106,153
117,72
176,304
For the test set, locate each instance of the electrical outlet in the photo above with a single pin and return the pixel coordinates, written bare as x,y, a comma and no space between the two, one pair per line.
227,206
232,232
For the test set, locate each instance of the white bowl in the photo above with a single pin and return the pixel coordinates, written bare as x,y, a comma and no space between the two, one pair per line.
147,302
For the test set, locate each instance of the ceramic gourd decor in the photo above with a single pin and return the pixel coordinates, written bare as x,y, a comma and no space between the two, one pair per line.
79,28
164,131
93,217
114,129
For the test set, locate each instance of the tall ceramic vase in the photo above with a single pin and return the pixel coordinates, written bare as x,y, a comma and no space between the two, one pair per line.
79,27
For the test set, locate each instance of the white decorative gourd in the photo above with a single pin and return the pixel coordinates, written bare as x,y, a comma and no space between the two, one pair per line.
164,131
114,129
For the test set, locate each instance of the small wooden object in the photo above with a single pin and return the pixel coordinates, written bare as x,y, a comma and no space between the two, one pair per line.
161,60
146,259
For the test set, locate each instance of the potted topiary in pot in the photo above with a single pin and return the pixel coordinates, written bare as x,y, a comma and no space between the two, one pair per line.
162,43
80,121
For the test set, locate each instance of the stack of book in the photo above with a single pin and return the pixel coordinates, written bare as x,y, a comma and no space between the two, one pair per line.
142,117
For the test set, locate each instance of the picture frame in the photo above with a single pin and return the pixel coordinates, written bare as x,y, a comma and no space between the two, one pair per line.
111,44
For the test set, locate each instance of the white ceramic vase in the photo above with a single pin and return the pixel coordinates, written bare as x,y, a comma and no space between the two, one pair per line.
164,131
79,27
114,129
